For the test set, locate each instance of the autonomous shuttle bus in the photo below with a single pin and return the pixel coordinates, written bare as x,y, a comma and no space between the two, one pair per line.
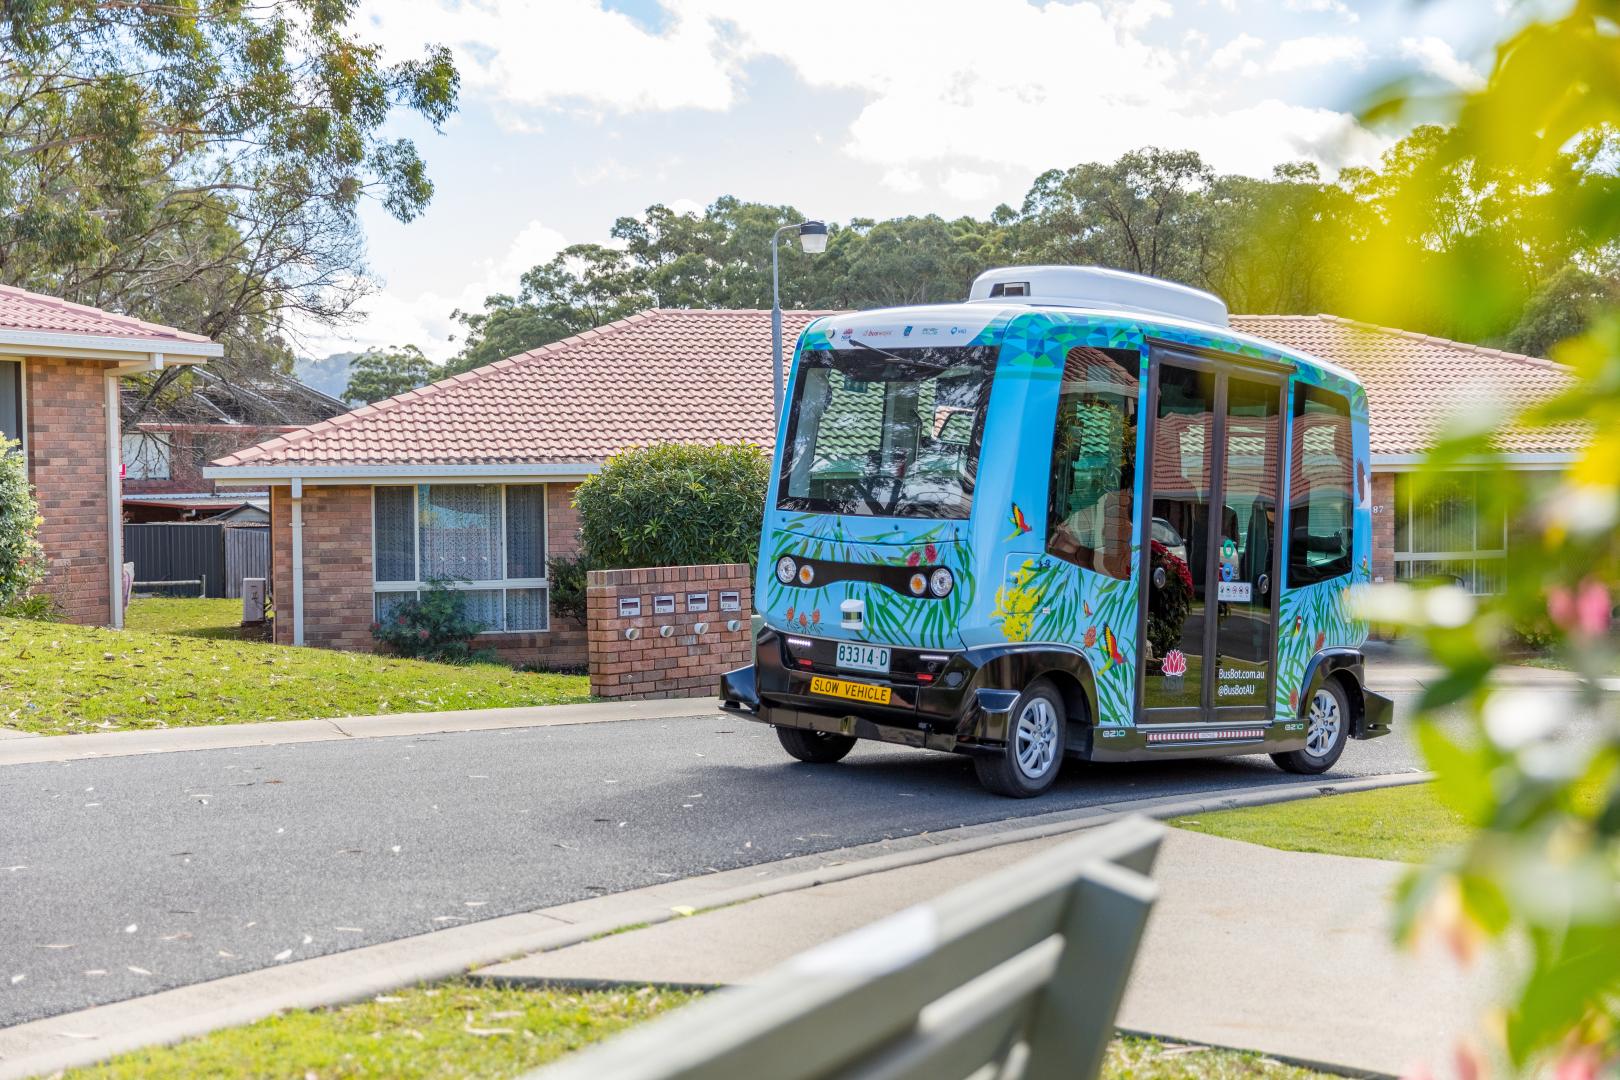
1076,515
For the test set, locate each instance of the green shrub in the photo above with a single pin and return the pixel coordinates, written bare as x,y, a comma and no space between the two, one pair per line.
566,577
38,606
22,560
433,625
676,504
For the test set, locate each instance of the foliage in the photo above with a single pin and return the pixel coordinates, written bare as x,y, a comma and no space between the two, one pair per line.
1541,868
39,606
431,625
565,576
203,164
1169,603
69,679
382,373
22,560
674,504
451,1030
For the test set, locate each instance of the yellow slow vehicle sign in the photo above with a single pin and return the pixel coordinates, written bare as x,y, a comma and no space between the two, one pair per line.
873,695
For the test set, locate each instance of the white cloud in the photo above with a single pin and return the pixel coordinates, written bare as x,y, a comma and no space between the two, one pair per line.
1230,54
970,185
1436,57
564,53
1317,51
930,93
424,320
1335,7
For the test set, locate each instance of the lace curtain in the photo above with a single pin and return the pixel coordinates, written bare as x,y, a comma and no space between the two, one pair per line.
461,538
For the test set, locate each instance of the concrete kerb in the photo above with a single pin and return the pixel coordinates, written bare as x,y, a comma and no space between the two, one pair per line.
29,751
95,1034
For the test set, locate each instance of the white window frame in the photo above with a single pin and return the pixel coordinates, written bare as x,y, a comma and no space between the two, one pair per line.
22,401
503,585
1474,559
165,456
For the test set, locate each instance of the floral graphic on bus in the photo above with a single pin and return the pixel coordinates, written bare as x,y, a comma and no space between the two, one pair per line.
1175,663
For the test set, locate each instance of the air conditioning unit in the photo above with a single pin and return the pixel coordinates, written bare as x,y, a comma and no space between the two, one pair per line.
1097,288
252,601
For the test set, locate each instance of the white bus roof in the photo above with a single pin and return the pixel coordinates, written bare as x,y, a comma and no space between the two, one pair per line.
1097,287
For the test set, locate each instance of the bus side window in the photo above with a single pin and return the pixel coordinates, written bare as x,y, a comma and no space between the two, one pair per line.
1321,497
1093,475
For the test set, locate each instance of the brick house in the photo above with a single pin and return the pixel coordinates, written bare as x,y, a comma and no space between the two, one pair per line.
60,371
472,477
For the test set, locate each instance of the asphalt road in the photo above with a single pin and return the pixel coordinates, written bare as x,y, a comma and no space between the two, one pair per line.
124,876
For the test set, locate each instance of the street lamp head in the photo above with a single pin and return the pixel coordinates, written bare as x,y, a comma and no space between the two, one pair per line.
813,237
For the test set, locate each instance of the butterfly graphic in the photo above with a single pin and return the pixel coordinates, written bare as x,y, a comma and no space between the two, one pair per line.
1019,524
1111,657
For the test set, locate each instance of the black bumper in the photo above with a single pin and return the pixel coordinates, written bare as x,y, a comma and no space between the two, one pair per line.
942,703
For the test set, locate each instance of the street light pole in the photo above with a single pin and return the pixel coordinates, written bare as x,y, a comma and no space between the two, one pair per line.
813,239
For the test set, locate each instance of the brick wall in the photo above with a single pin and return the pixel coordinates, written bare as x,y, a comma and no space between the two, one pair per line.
700,646
1383,526
337,566
67,464
338,576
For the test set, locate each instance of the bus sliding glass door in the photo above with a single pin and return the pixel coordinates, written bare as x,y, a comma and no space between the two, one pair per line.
1210,581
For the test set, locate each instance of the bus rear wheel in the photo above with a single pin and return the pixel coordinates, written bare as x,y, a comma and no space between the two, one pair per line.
1326,729
814,747
1029,763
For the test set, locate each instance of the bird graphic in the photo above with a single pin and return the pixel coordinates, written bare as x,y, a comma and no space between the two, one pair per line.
1020,526
1087,605
1111,654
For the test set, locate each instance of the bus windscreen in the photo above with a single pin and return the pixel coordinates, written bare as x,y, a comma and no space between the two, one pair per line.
886,433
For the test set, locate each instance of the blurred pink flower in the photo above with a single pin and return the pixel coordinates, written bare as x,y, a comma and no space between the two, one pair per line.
1584,612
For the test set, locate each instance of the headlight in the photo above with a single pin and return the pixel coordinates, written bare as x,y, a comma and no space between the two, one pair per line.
940,582
919,583
785,569
807,574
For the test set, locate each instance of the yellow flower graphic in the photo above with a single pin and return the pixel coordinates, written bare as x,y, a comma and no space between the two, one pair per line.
1016,604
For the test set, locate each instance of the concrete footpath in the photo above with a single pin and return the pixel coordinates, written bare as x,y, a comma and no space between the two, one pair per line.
1280,952
22,748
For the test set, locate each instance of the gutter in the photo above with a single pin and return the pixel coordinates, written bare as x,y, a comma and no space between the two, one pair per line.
239,475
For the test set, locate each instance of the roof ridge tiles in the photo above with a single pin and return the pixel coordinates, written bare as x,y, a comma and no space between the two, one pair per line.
153,329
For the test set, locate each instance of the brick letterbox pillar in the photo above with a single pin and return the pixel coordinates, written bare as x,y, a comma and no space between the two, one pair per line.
667,631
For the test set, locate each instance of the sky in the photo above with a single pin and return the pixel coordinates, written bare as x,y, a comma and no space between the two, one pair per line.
575,112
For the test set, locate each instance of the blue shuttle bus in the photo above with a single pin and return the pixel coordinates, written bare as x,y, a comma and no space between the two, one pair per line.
1074,516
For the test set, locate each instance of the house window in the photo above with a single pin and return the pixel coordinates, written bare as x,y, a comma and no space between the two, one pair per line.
1320,488
1442,533
487,541
1088,517
146,455
11,400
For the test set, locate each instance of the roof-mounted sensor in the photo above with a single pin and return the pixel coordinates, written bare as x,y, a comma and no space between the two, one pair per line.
1099,288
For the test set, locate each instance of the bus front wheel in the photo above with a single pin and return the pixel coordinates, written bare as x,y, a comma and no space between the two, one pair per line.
1326,728
1029,763
814,747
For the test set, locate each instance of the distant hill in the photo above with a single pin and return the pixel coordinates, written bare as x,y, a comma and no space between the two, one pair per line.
329,374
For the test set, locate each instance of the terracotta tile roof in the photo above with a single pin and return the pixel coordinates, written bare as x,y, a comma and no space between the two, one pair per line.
1415,382
31,311
689,375
663,375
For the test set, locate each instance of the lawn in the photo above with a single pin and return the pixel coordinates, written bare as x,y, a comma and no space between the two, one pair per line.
192,616
461,1029
1404,824
182,668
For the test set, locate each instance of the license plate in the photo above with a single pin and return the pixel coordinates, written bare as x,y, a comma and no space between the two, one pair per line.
864,658
872,695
